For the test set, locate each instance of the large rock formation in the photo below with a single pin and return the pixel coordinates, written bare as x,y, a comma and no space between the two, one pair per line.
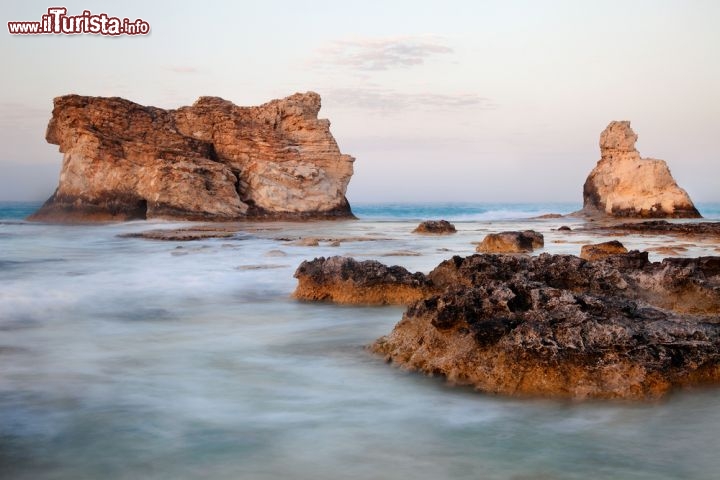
556,325
624,185
212,160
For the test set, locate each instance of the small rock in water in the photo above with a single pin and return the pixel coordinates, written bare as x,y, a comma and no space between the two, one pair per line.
345,280
307,242
435,227
673,250
511,242
598,251
259,267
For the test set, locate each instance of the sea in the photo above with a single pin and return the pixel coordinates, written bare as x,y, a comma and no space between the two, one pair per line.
129,358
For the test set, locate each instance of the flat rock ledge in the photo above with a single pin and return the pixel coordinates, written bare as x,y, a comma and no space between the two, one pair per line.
663,227
200,232
551,325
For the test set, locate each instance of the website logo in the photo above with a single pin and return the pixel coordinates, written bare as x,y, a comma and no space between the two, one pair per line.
57,22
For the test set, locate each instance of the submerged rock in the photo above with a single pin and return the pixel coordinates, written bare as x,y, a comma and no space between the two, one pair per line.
186,234
212,160
599,251
511,242
624,185
306,242
345,280
435,227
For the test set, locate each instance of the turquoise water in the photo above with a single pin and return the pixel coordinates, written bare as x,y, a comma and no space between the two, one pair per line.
123,358
460,211
483,211
419,211
17,210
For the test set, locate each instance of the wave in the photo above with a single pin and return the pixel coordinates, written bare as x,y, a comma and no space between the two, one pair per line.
459,212
502,214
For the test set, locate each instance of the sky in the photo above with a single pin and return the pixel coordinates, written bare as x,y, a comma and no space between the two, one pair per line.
463,101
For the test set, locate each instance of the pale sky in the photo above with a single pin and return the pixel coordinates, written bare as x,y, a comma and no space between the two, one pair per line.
437,100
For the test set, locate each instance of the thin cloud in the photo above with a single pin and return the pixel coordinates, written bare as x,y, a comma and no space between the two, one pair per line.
388,101
373,54
20,115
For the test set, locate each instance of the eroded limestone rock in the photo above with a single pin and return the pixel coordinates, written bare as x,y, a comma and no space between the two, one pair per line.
550,325
212,160
559,326
624,185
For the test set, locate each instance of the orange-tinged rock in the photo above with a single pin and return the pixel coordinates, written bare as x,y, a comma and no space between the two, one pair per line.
511,242
624,185
212,160
599,251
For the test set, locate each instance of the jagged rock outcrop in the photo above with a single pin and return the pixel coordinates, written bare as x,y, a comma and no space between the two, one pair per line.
212,160
345,280
598,251
435,227
511,242
557,325
624,185
551,325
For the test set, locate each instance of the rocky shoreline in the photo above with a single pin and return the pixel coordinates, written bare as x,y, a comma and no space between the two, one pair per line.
551,325
611,324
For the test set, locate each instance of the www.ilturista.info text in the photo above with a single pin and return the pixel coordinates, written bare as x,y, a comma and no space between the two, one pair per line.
58,22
